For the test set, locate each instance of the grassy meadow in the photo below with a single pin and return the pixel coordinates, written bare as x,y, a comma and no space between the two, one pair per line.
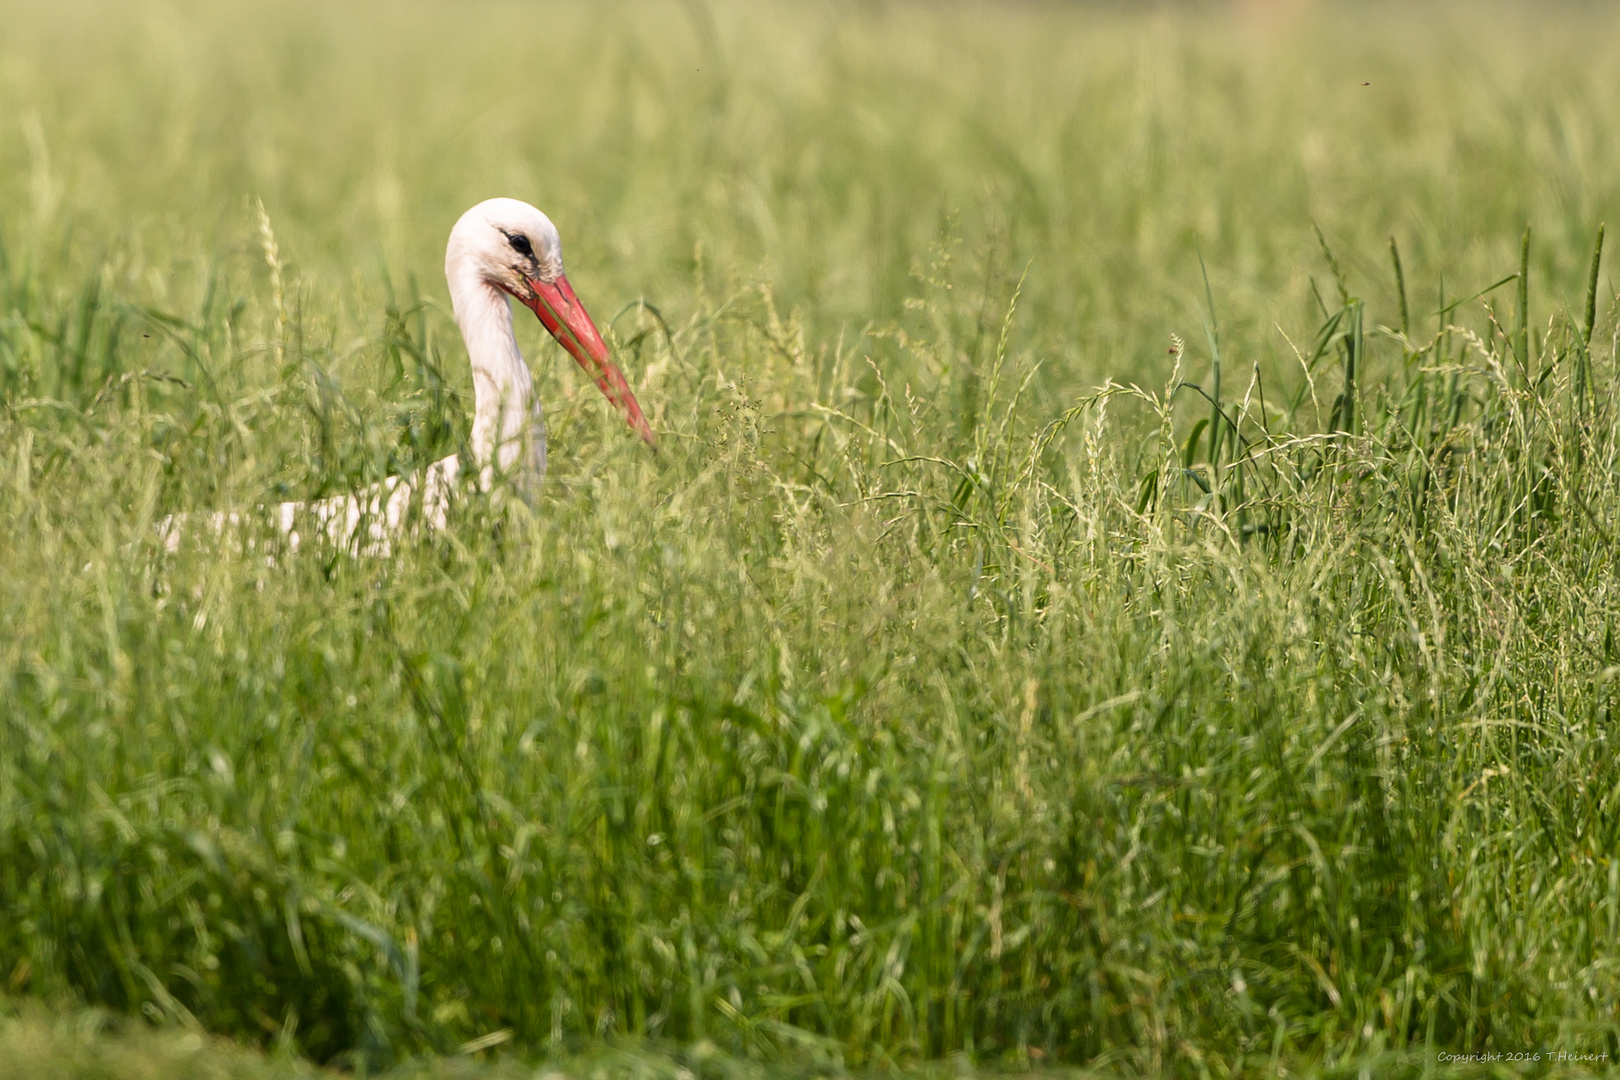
1128,579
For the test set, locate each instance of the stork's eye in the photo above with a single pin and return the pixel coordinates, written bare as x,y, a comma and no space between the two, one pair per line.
520,244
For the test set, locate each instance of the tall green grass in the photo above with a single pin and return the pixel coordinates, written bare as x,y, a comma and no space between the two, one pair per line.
1079,612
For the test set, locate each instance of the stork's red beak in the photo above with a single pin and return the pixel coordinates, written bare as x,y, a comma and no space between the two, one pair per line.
560,312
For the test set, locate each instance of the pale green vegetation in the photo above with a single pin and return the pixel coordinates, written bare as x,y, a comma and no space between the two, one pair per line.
919,698
87,1045
90,1044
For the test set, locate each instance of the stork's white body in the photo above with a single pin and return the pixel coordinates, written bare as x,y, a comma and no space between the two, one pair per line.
499,248
364,522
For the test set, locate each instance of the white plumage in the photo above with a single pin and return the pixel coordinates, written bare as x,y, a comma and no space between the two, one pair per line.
499,248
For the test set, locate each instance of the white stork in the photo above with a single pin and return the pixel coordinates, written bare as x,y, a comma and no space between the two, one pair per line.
499,248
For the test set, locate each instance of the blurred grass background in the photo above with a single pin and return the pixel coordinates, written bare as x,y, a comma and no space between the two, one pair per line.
916,700
826,146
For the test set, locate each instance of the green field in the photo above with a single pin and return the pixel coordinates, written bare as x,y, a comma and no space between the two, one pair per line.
1128,579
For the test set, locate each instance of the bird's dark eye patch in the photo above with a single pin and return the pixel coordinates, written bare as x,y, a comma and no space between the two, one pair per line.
520,244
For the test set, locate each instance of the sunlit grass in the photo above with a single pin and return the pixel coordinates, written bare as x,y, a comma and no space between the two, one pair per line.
974,671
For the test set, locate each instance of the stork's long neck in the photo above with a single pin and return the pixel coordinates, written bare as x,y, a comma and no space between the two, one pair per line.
507,418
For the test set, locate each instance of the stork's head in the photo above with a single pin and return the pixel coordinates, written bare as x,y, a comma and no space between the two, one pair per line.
515,248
